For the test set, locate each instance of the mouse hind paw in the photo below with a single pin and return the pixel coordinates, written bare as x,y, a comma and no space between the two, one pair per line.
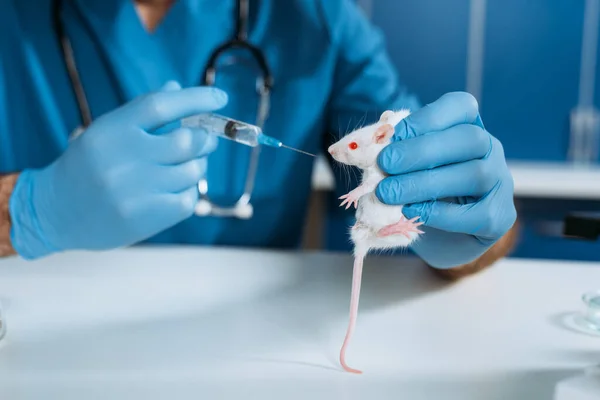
403,227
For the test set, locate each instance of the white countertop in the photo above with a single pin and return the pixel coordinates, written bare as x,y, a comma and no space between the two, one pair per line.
185,323
532,179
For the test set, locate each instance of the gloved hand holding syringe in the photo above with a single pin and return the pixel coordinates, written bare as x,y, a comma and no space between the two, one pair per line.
238,131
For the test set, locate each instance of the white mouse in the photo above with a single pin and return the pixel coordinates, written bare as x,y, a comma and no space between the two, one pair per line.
378,226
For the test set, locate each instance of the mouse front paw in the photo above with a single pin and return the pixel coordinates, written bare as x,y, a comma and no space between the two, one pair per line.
351,198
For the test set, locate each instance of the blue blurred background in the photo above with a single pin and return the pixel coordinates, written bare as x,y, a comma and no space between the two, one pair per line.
522,60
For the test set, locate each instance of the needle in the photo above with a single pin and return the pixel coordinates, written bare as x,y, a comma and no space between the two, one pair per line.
299,151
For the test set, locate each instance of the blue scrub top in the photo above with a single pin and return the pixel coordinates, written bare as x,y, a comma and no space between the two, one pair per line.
330,67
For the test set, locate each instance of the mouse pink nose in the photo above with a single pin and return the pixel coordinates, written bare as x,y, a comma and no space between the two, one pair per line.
331,150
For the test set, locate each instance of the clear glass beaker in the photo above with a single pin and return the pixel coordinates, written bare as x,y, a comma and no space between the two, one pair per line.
591,316
2,323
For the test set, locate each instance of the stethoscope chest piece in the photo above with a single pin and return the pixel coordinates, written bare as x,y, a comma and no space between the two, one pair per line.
240,210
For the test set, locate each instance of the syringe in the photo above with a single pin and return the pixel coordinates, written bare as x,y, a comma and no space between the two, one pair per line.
238,131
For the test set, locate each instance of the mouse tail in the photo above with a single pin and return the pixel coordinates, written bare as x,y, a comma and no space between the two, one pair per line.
359,256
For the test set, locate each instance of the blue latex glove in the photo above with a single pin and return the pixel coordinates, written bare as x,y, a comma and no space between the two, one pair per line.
451,173
121,181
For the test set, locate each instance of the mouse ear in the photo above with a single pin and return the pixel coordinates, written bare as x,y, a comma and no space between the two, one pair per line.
385,116
383,133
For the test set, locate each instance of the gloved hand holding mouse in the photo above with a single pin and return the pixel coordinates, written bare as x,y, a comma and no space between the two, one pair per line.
449,171
127,177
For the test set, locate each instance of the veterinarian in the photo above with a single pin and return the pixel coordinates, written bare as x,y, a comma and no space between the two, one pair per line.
125,72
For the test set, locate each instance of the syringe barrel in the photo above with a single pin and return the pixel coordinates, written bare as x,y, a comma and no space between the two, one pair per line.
225,127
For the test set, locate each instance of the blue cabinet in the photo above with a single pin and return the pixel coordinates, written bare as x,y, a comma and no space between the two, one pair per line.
531,63
426,40
540,230
531,75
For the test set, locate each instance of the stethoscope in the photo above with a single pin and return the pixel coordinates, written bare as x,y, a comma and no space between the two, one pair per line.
243,208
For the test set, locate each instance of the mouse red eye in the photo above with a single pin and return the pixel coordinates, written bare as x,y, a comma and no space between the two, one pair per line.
353,146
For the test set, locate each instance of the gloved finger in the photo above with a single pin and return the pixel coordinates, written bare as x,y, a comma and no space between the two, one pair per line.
155,110
181,145
459,143
170,127
473,178
170,86
180,177
174,208
449,110
183,203
489,218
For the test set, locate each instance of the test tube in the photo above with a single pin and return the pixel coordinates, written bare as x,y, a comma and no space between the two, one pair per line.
476,47
585,117
585,135
592,310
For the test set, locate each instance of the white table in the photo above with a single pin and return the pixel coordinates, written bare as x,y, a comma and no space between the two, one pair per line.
185,323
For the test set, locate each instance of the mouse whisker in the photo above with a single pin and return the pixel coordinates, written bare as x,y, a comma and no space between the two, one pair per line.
349,181
333,137
356,175
340,169
343,168
361,122
345,172
347,128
